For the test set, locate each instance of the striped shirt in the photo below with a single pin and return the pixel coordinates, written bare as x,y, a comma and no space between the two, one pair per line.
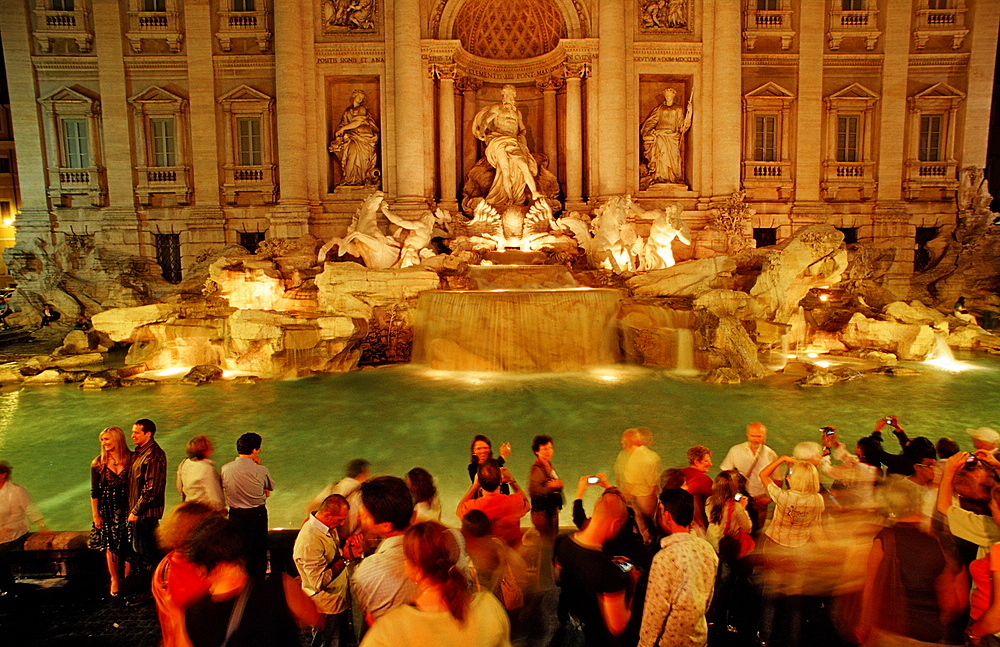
147,481
246,483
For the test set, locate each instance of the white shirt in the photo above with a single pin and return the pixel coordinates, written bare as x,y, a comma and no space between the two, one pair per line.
741,458
638,472
16,508
197,480
681,581
315,549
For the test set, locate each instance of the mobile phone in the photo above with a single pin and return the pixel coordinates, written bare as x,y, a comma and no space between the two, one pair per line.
625,565
738,497
888,421
971,460
828,431
593,479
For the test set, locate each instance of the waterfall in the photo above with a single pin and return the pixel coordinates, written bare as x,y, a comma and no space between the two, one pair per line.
524,331
942,351
685,351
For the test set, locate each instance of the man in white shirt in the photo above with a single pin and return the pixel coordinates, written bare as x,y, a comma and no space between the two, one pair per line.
323,570
349,487
637,470
749,459
247,485
16,509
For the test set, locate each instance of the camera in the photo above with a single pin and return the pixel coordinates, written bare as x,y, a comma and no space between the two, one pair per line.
828,431
622,563
593,479
738,497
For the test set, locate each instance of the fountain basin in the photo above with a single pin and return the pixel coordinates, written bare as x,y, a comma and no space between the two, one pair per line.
520,331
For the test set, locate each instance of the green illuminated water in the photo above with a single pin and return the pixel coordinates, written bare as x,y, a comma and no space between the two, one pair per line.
402,417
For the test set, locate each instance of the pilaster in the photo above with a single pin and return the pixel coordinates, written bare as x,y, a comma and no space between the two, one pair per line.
289,218
549,86
895,68
447,165
809,111
575,72
613,131
726,101
119,222
34,219
408,107
983,47
468,86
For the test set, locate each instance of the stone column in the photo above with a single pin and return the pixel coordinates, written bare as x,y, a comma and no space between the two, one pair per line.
983,47
34,220
468,86
574,134
895,68
612,98
408,107
206,226
726,101
119,226
446,136
549,86
289,218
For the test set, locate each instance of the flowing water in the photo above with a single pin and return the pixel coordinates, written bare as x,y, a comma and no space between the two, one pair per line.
405,416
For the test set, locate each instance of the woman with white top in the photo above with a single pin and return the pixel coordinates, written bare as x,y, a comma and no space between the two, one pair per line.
197,479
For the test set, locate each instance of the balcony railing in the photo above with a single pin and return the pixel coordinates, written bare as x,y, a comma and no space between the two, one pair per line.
933,176
250,179
848,180
767,22
65,182
51,24
244,24
768,180
859,23
150,25
163,180
941,22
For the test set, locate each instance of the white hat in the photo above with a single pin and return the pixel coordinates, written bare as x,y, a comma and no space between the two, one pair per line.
984,435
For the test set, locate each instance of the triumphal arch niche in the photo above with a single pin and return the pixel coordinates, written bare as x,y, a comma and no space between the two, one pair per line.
517,141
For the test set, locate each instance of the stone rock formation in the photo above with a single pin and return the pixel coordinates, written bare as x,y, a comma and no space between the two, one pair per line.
690,278
906,341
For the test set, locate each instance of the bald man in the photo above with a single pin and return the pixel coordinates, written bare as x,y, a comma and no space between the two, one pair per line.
749,459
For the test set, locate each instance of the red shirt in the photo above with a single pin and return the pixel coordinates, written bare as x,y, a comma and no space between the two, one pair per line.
504,511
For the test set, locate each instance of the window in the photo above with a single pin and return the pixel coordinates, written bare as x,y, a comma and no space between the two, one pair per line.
168,255
250,149
937,4
244,5
251,240
765,236
75,144
852,5
765,138
930,138
154,5
922,255
768,5
847,138
164,143
850,234
4,165
61,5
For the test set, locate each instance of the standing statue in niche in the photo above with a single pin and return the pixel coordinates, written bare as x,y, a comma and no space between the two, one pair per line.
662,138
502,128
354,144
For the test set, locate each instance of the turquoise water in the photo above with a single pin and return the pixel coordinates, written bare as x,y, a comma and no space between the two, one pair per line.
402,417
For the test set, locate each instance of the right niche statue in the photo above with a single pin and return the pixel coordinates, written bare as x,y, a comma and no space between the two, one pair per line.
662,141
354,143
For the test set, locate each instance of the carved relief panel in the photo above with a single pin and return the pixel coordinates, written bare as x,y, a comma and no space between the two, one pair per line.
350,16
664,16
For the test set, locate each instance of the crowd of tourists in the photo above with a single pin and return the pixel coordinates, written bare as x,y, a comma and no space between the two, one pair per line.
834,544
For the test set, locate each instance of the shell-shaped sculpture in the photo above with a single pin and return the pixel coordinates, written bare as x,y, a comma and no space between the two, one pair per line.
509,29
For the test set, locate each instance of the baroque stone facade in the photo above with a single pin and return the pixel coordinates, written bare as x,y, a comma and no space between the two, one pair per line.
168,130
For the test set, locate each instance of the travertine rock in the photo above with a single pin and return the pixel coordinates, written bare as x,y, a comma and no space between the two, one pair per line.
729,302
728,344
121,323
654,334
350,290
906,341
914,312
813,256
723,375
203,374
689,278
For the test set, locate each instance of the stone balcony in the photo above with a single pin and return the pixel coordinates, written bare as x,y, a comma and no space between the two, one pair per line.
768,180
848,181
153,25
172,183
853,24
930,180
260,180
50,25
761,22
64,183
949,23
244,24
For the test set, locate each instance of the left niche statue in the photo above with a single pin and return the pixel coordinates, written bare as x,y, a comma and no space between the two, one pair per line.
354,143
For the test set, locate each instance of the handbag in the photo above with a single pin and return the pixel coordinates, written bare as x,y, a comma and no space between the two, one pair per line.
510,590
735,545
